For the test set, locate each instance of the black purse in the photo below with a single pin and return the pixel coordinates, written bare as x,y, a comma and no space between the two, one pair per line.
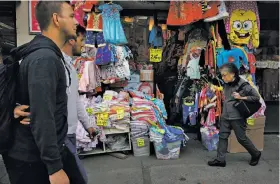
245,108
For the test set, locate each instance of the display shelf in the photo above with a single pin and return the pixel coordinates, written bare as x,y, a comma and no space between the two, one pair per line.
109,131
93,152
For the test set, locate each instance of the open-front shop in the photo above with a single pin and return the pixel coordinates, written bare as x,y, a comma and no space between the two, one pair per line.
150,72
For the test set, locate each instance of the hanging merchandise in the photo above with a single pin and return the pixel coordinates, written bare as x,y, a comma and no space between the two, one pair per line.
182,13
235,56
88,5
243,23
112,27
197,41
89,75
156,37
221,15
78,12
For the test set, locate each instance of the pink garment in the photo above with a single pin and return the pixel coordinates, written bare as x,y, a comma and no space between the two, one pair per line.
211,118
79,13
90,77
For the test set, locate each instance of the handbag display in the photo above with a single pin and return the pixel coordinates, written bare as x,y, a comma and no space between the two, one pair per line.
245,108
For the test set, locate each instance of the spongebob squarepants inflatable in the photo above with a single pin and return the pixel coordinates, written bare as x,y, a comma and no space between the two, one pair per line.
244,28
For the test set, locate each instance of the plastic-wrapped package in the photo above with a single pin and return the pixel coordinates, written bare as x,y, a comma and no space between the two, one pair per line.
117,142
210,137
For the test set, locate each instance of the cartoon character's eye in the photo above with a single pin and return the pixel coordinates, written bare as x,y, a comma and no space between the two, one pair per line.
237,25
247,25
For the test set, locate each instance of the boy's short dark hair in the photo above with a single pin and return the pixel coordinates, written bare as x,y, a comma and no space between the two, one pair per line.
80,30
44,11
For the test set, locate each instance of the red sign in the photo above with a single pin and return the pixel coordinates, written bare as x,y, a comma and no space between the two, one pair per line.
33,24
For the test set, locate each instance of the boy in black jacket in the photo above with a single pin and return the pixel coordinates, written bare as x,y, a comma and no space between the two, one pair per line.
36,153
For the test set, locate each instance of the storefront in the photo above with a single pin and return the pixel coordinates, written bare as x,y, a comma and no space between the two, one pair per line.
151,49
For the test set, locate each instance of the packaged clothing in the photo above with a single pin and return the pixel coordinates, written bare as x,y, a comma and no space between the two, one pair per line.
243,23
210,137
117,142
232,56
112,27
190,110
94,38
94,22
182,13
156,37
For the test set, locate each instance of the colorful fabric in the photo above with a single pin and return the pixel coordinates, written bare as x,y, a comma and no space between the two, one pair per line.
88,4
105,55
182,13
112,27
94,38
94,22
232,56
156,37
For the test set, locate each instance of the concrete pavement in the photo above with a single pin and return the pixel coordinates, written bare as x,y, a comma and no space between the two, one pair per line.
191,168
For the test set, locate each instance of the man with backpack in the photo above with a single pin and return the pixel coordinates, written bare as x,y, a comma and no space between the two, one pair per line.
38,153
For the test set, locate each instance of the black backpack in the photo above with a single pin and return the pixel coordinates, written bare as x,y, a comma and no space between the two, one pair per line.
9,70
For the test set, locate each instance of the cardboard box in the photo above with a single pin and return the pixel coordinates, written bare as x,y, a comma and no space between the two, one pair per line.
147,75
255,134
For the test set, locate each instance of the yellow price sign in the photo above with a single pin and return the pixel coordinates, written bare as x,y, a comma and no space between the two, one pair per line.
79,76
107,97
120,114
140,142
155,55
89,111
102,119
251,121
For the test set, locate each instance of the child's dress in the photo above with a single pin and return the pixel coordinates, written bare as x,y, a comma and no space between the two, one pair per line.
112,27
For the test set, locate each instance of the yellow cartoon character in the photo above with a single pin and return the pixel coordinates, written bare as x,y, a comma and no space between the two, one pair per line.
243,28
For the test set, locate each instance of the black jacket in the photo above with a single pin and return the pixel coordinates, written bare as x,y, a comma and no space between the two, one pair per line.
229,111
42,85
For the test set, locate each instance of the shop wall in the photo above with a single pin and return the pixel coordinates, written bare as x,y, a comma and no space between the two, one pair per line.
22,23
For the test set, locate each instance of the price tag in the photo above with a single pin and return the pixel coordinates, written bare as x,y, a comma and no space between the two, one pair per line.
102,119
89,111
140,142
155,55
79,76
107,97
251,121
120,114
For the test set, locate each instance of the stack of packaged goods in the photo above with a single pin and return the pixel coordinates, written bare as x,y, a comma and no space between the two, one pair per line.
140,138
210,137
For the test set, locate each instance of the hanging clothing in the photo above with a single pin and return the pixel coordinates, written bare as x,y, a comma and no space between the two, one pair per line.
112,27
94,38
78,12
156,37
221,15
94,22
88,4
243,23
186,12
232,56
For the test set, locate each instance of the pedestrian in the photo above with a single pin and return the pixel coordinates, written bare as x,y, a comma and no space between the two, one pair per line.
76,109
38,154
231,118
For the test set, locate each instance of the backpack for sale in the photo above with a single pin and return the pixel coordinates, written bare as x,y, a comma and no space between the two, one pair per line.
9,70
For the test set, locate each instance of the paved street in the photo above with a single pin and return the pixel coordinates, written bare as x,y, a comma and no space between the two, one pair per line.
191,168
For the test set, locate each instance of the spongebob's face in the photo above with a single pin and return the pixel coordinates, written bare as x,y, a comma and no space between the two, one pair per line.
243,24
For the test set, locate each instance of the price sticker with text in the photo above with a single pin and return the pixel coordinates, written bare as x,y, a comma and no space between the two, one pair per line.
108,97
155,55
140,142
102,119
120,114
89,111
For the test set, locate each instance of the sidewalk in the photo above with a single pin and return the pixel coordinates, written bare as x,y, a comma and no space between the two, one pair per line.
191,168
